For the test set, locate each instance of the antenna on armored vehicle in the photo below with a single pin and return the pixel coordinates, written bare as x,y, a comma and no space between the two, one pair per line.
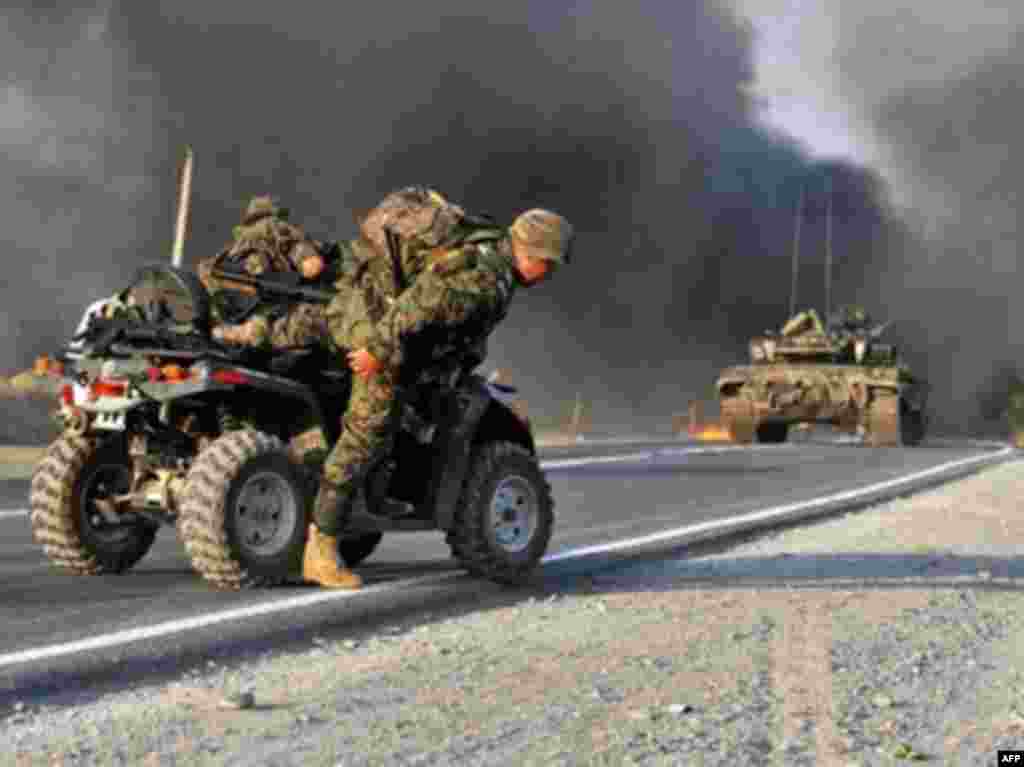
184,200
828,249
796,251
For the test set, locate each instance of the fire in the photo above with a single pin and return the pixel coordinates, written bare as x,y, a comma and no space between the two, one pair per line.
711,433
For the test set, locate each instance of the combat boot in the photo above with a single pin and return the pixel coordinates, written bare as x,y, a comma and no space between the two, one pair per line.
320,561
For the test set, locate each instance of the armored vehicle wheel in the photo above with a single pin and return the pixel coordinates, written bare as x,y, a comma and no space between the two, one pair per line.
913,426
504,518
738,419
76,473
357,548
773,433
883,421
245,512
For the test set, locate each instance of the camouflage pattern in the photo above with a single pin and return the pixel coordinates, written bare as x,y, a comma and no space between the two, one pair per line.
455,302
262,207
428,227
802,322
413,213
301,325
548,235
265,242
463,296
841,375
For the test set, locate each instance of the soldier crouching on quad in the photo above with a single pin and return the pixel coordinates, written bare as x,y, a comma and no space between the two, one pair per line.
265,241
460,296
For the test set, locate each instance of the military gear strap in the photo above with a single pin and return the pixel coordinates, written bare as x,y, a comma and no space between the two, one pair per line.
394,250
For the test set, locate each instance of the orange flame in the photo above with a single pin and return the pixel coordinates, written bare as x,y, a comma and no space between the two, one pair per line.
711,433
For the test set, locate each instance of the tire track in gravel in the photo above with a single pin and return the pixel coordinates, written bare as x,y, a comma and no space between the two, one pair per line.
802,676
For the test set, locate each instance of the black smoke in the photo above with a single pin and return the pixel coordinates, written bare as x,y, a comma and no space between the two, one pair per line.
631,119
943,87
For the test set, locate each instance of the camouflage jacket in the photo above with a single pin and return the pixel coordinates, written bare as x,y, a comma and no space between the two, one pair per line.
452,305
266,245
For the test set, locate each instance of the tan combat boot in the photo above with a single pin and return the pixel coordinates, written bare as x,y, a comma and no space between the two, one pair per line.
320,563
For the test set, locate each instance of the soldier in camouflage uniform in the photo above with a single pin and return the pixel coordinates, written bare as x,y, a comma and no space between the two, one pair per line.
461,291
847,325
265,241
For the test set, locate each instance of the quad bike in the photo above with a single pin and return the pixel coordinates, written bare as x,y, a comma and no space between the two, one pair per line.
807,374
164,426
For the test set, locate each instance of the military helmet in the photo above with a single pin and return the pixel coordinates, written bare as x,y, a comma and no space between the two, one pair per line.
549,234
261,207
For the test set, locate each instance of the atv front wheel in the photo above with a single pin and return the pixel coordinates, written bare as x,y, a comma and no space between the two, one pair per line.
504,518
357,548
245,512
75,473
913,425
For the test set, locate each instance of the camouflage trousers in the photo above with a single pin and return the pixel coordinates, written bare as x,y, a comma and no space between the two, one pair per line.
367,432
369,422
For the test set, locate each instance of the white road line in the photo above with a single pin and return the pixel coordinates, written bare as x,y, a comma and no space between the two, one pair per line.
211,619
570,463
169,628
776,511
13,513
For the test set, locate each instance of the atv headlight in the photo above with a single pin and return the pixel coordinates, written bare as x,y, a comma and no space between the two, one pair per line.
860,349
769,349
756,352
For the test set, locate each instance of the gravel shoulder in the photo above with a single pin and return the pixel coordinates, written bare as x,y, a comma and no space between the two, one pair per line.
883,636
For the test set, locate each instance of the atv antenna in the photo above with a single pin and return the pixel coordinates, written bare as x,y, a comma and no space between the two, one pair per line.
828,250
184,200
796,251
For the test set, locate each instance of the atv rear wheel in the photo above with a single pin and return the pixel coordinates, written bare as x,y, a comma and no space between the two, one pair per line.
357,548
245,512
74,474
504,518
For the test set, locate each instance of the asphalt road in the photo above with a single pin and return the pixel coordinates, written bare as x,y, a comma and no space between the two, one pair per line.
603,493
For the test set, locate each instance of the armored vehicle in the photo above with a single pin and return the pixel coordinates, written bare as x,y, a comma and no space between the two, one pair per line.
807,373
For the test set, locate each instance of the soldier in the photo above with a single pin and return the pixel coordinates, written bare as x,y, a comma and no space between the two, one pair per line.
847,325
452,305
265,241
850,319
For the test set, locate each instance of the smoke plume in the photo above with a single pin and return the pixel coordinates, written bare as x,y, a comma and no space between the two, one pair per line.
633,120
941,86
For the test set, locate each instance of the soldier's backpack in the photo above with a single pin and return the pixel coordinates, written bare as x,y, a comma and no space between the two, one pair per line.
408,229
